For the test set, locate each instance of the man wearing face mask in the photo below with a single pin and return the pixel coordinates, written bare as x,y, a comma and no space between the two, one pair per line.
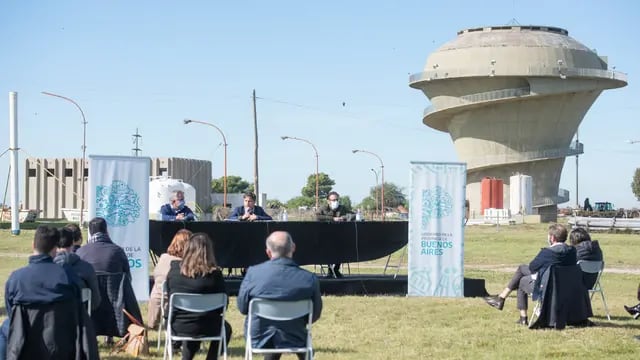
176,210
333,211
527,277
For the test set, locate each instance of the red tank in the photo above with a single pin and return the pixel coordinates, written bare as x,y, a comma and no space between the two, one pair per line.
491,193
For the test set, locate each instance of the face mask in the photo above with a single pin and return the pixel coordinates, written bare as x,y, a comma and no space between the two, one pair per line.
334,204
181,204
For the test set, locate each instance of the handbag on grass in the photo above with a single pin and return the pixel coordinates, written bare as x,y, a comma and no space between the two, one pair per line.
135,342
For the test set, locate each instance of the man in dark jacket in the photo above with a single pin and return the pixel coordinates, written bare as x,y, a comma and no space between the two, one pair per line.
101,252
249,211
42,283
586,249
527,277
176,210
86,275
334,211
279,278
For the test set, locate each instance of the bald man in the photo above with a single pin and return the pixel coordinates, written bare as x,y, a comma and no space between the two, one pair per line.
279,278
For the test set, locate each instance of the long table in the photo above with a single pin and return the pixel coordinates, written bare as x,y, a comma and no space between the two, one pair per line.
242,244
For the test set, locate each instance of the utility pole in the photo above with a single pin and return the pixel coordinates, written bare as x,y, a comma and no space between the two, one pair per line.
256,186
136,142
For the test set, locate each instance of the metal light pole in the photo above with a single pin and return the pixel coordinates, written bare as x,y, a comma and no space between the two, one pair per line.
224,142
316,151
633,141
376,174
381,176
84,149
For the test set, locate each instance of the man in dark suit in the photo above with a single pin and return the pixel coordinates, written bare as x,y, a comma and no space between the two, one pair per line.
176,210
334,211
250,211
280,278
527,277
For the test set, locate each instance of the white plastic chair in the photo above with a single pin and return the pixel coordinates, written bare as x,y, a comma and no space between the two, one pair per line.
85,295
162,323
197,303
279,311
595,267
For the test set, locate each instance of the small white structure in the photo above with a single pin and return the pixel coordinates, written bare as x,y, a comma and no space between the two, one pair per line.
160,190
521,194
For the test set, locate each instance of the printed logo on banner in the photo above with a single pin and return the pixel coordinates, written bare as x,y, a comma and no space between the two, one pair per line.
448,284
436,203
117,203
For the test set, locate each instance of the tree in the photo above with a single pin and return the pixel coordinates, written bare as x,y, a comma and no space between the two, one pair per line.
299,201
235,185
346,202
635,185
393,197
325,184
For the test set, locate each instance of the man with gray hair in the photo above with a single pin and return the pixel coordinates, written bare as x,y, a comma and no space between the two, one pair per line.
176,210
279,278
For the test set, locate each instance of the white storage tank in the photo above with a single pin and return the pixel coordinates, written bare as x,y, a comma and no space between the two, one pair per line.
160,190
521,194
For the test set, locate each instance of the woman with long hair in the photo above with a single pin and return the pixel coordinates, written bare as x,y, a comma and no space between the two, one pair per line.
174,253
197,273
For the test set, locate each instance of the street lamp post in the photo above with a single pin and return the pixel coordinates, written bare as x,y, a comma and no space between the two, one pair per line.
316,152
224,142
84,150
381,177
376,173
633,141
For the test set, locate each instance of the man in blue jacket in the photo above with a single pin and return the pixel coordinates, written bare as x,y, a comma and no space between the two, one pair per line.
527,277
176,210
279,278
250,211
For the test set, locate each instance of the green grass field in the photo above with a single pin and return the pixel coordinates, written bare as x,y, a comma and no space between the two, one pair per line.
397,327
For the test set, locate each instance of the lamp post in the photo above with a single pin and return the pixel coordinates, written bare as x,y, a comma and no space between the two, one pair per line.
633,141
84,149
381,177
376,174
316,152
224,142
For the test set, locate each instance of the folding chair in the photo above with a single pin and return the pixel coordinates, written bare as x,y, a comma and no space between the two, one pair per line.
85,295
595,267
162,323
197,303
279,311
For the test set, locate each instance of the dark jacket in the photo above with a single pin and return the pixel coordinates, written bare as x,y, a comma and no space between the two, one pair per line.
589,250
86,274
257,211
326,214
104,255
117,294
557,254
279,279
190,323
169,213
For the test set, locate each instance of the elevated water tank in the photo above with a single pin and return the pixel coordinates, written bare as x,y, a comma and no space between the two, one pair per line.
160,190
521,194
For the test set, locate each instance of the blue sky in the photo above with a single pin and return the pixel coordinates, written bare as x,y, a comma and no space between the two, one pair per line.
150,64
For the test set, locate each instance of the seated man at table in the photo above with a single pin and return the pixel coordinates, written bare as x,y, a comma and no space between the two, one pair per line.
334,211
249,211
176,210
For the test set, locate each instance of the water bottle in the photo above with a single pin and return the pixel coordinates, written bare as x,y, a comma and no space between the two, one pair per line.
285,217
359,215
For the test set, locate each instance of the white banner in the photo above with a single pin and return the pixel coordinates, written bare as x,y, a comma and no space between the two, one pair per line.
436,229
119,193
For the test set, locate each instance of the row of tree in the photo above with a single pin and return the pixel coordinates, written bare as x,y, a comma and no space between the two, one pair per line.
393,195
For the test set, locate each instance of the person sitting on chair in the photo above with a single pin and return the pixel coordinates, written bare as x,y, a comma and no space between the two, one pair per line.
101,252
176,210
334,211
634,310
586,249
249,211
77,236
279,278
197,273
527,277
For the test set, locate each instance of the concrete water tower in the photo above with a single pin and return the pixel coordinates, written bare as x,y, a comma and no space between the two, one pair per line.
512,98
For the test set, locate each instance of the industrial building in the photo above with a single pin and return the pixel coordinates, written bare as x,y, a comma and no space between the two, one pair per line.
512,98
52,184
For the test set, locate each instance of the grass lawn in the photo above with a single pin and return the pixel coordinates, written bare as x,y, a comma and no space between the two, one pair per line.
397,327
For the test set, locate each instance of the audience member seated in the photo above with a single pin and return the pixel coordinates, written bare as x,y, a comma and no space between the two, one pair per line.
279,278
586,249
176,210
527,278
101,252
197,273
40,301
249,211
334,211
86,276
634,310
77,236
174,253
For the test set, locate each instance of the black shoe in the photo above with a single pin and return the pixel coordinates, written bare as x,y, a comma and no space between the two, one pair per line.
523,321
495,301
633,310
337,273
